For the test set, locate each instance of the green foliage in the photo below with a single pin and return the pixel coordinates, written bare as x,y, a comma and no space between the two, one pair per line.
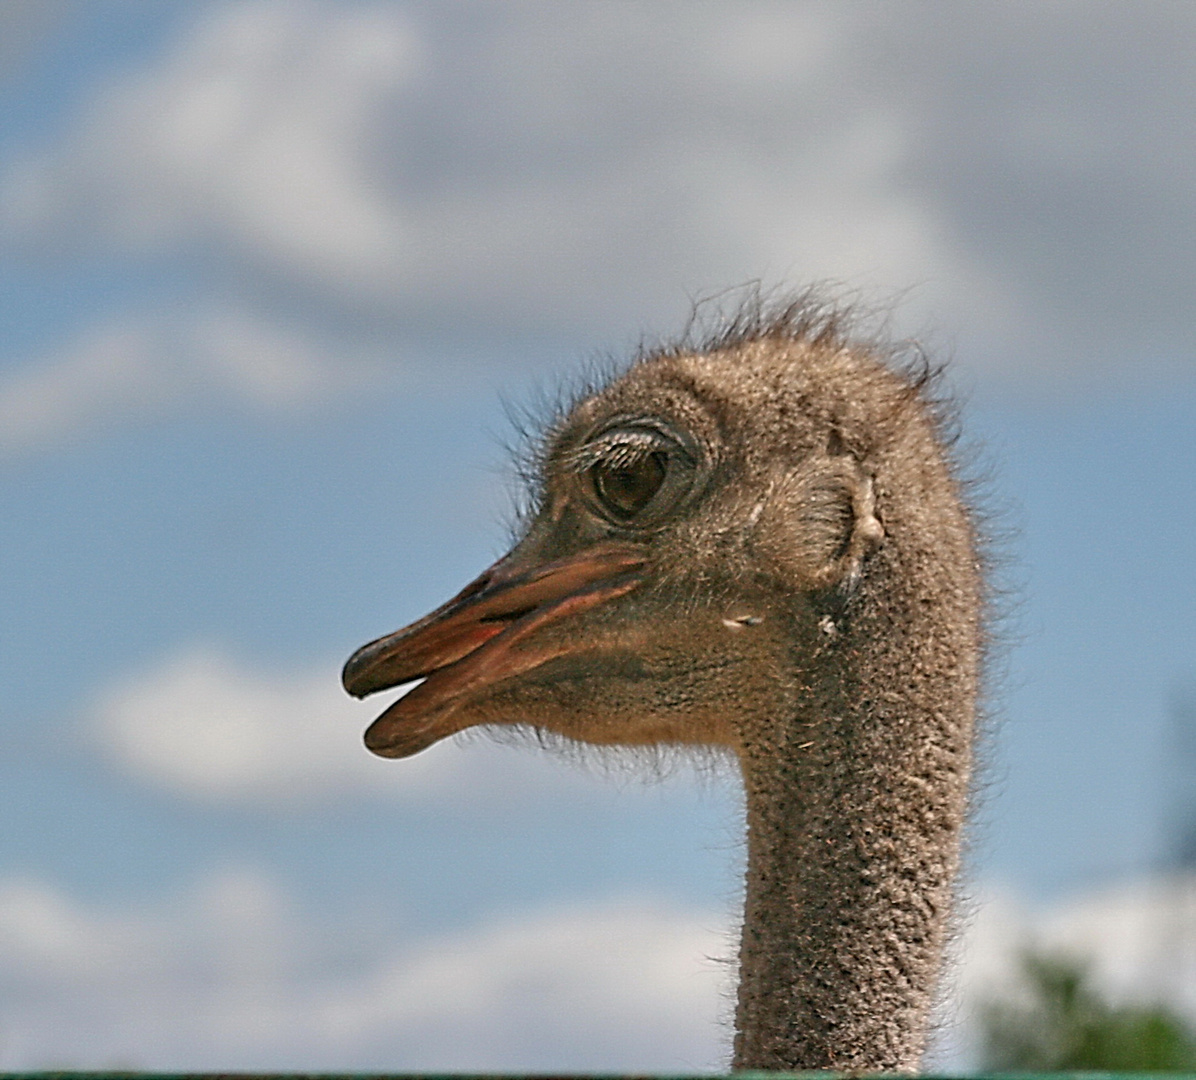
1066,1025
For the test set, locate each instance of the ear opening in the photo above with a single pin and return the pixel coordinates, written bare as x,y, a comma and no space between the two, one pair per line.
835,444
867,534
820,524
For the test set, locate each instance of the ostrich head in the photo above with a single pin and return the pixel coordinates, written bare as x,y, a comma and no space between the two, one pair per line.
755,544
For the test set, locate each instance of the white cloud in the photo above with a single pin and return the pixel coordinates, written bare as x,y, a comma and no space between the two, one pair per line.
206,728
645,973
1136,938
200,726
1139,936
110,371
254,126
520,167
535,169
265,364
231,976
529,170
144,367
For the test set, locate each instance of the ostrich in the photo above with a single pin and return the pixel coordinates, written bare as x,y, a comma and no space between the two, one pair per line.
756,543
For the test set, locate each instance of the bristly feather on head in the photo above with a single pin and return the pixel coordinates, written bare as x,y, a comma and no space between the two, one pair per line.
823,315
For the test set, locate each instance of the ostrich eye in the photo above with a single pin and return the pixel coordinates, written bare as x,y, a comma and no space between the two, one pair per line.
626,488
634,471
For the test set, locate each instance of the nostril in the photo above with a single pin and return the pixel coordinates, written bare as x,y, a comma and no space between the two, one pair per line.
507,616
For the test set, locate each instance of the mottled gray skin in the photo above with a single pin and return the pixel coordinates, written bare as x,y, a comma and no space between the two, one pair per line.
812,603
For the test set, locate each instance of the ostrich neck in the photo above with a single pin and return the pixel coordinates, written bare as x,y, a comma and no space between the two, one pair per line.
855,804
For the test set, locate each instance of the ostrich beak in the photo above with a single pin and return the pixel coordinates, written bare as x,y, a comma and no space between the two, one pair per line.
483,635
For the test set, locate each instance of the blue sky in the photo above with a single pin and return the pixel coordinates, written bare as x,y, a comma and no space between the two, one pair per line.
268,272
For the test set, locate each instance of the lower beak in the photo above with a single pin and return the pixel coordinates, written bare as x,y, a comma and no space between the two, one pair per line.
484,635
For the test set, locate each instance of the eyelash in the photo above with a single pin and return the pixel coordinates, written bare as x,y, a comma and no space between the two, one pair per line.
615,453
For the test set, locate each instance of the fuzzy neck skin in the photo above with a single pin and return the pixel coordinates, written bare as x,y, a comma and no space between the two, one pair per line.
855,805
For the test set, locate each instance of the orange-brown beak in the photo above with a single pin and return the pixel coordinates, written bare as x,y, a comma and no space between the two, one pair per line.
485,634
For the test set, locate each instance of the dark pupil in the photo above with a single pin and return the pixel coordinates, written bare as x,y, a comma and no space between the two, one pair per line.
627,489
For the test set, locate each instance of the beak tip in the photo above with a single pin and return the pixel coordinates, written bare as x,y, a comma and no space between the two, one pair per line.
380,742
350,684
355,675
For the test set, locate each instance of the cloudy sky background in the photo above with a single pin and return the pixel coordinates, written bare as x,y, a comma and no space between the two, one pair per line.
267,272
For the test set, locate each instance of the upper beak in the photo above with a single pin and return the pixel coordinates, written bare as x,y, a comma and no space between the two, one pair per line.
484,634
